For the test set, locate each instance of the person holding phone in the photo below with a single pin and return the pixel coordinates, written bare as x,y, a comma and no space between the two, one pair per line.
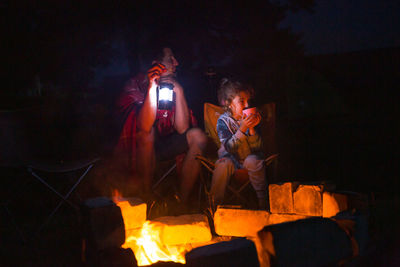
149,133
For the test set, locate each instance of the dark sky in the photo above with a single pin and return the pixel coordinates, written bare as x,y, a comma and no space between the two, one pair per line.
50,39
344,25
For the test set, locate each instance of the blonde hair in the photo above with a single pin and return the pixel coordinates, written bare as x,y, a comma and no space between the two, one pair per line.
229,89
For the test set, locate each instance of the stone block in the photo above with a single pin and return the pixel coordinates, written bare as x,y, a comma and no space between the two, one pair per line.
237,252
281,197
103,224
175,230
307,200
308,242
282,218
239,222
356,224
333,203
133,211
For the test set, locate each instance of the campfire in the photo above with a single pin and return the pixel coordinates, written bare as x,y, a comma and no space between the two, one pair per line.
149,249
163,239
306,208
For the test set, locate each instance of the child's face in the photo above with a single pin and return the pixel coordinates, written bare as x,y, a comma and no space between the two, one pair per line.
239,103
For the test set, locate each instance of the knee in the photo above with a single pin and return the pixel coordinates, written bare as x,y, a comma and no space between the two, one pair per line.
225,164
144,138
196,137
253,163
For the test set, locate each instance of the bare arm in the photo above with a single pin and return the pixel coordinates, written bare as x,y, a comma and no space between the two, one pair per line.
148,111
181,123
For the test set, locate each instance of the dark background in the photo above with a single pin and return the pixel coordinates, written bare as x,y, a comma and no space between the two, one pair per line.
65,63
331,67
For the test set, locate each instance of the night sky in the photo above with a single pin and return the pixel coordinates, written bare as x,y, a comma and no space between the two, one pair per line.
98,39
342,26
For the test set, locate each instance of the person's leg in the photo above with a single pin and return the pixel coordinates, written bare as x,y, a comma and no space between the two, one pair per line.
224,169
256,169
197,141
145,160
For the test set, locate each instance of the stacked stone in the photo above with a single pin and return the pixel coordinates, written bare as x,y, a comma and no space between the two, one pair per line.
312,199
230,221
103,234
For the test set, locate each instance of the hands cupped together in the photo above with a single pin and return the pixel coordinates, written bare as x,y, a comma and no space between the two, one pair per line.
249,122
252,120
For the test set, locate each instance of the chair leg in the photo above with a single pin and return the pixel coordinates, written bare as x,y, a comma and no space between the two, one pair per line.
49,186
164,176
237,193
14,222
64,198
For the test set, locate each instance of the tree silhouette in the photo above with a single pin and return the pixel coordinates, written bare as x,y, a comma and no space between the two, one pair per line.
63,42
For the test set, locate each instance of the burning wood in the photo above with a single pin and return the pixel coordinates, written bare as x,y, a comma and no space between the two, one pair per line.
163,239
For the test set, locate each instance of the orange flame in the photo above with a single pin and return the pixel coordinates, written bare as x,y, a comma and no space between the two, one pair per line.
145,241
149,249
116,196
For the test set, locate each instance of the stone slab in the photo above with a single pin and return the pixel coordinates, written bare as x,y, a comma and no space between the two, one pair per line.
184,229
133,211
239,222
311,242
237,252
282,218
281,197
307,200
103,224
333,203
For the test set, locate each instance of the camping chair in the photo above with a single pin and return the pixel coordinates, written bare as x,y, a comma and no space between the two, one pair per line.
75,170
211,115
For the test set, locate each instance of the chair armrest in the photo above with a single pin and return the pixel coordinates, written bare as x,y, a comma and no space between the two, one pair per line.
206,163
271,159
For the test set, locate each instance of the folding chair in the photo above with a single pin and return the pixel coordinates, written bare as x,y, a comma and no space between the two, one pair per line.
60,169
211,115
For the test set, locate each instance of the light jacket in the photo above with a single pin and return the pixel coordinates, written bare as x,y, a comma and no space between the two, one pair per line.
235,144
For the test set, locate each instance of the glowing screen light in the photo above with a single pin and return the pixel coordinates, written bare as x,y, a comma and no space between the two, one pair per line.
165,94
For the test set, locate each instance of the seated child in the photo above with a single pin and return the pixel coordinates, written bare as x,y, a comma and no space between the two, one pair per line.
241,145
